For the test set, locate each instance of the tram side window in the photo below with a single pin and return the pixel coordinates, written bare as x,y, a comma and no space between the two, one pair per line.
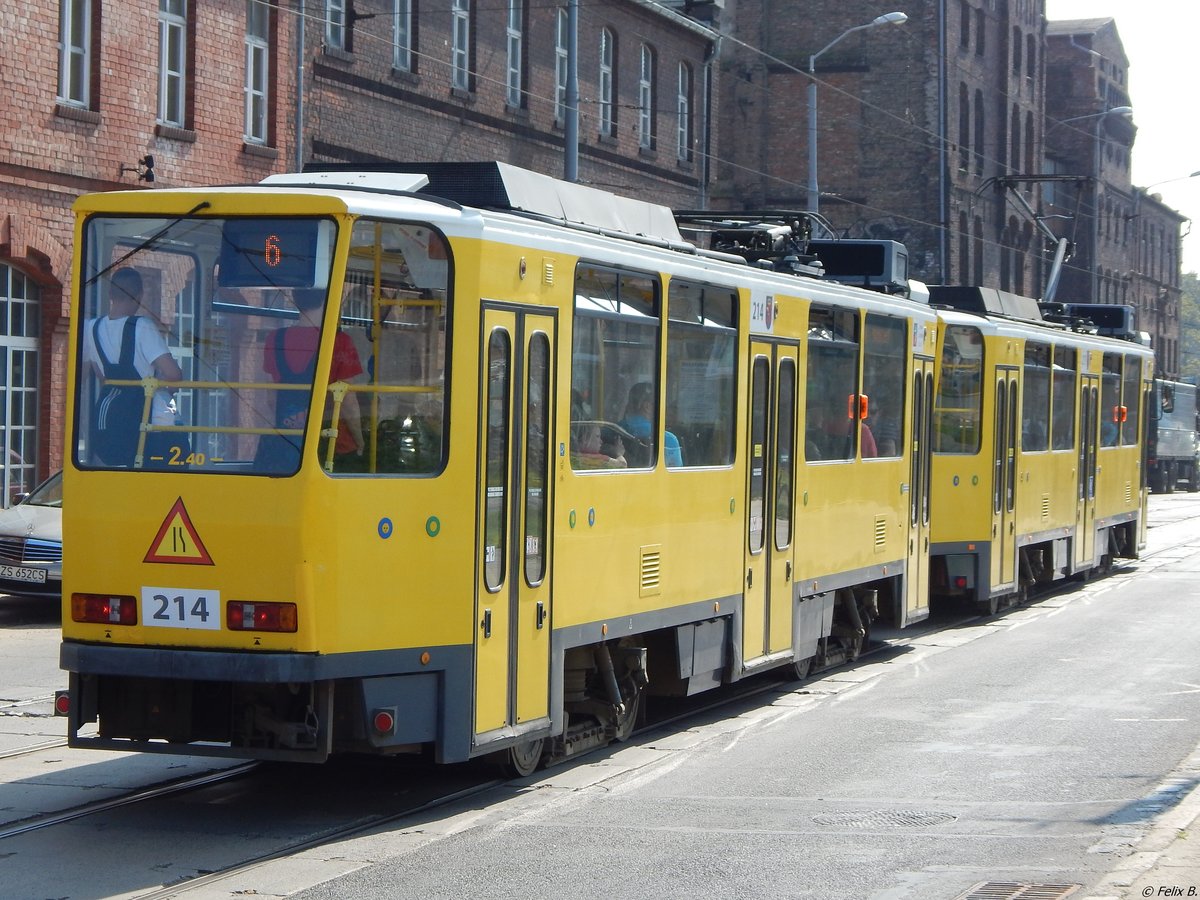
831,426
958,409
884,380
1065,379
1035,398
701,374
1131,393
1110,400
615,394
395,308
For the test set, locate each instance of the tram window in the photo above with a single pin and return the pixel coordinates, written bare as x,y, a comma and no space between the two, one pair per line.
833,348
241,304
1035,398
1110,400
395,309
496,451
958,409
1131,393
883,381
701,372
1065,378
785,410
614,371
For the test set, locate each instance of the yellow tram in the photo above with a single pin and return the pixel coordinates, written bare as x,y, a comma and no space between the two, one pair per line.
1039,446
466,460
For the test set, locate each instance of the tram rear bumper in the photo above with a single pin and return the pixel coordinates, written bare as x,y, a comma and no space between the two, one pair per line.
269,705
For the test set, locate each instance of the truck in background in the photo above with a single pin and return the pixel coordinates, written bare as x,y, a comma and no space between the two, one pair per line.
1171,448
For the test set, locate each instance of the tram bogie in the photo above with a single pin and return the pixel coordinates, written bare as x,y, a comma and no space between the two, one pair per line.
481,475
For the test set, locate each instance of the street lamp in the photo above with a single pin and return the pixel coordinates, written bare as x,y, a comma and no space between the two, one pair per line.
814,193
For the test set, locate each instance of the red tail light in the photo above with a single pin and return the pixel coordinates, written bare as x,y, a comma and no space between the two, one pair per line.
103,609
241,616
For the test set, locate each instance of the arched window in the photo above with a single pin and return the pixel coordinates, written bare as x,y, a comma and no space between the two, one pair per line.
20,324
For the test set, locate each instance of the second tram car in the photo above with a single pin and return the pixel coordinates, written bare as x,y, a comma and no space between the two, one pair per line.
469,460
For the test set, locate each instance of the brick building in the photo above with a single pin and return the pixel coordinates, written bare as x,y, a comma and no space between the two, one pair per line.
107,96
941,133
118,94
1127,241
464,80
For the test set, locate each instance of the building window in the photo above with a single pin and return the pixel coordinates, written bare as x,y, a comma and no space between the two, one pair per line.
980,34
75,52
646,99
964,24
335,25
683,109
514,34
560,68
460,46
172,62
20,325
608,112
402,35
258,70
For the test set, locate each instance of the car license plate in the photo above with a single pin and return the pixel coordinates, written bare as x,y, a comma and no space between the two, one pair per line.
23,573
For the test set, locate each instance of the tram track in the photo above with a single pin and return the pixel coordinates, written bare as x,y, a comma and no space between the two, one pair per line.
154,792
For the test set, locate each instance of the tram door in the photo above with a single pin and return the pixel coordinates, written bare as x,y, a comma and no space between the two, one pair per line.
1089,439
1004,477
916,603
512,606
770,526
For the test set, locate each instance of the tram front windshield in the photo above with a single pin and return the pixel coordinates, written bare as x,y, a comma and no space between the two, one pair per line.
199,340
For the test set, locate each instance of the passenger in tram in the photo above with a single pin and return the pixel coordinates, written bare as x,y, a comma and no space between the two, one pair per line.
290,357
612,445
639,411
126,346
587,449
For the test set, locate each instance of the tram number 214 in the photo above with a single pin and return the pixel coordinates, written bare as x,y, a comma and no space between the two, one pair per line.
181,608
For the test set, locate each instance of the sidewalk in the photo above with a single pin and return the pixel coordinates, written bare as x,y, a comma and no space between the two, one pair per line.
1167,861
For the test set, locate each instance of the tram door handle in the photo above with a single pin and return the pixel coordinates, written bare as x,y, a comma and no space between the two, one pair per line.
749,578
787,571
541,615
486,624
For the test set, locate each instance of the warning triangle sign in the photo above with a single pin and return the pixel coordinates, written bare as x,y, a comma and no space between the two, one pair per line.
177,541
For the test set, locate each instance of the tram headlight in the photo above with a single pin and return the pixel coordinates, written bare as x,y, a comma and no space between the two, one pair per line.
245,616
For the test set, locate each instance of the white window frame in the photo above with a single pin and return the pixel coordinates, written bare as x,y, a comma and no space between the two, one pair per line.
172,62
683,109
75,52
605,94
335,24
402,42
560,68
258,71
514,38
460,44
646,99
19,381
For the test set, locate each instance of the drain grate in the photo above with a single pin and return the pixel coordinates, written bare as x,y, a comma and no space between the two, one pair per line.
1012,890
884,818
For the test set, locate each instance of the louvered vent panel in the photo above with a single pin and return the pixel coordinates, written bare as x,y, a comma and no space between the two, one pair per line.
651,570
1045,507
880,534
547,271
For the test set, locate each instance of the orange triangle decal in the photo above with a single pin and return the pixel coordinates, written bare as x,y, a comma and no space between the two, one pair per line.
177,541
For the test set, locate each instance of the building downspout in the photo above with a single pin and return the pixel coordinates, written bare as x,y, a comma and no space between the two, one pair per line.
300,85
710,59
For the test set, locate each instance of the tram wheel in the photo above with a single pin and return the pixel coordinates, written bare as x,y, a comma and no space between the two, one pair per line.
802,668
521,759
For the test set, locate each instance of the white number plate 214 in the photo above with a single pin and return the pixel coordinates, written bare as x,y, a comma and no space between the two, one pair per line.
181,608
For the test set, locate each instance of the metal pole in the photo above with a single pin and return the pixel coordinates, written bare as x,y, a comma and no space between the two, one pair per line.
571,137
814,194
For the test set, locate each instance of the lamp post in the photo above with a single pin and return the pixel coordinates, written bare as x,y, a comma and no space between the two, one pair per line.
814,193
1125,112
